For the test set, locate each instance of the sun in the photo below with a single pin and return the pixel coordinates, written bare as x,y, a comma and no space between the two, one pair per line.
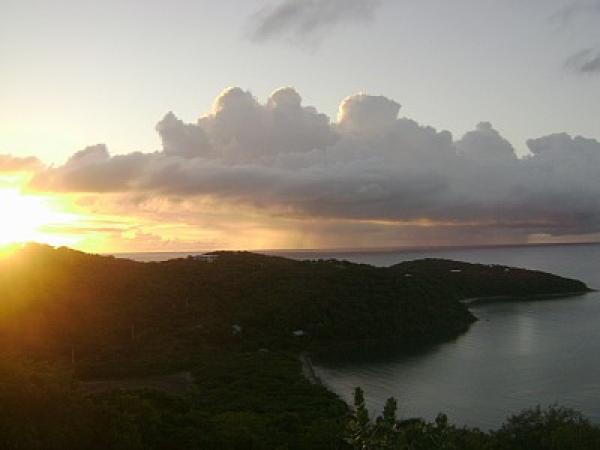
25,216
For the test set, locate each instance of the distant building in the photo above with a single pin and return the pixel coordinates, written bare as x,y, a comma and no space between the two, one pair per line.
455,270
206,257
298,333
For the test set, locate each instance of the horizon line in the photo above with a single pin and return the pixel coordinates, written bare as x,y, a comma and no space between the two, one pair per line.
359,249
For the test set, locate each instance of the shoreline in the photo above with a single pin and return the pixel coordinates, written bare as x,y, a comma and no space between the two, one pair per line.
514,298
308,370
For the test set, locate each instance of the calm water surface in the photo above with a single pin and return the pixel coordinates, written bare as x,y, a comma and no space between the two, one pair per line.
516,356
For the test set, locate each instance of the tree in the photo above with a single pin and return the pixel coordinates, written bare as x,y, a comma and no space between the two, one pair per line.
359,426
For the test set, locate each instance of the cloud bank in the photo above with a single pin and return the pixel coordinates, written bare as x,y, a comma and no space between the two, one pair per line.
299,20
9,163
369,167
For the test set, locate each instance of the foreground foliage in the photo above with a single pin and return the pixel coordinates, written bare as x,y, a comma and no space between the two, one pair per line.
43,410
242,402
554,428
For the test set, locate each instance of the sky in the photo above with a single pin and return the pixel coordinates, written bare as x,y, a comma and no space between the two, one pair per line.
185,125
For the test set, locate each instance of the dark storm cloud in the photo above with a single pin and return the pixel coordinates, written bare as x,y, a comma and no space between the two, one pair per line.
302,19
586,61
289,160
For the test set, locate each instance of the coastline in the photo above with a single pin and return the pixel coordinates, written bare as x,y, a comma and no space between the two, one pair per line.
308,370
519,298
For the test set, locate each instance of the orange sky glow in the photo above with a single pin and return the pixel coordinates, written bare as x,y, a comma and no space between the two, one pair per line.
104,224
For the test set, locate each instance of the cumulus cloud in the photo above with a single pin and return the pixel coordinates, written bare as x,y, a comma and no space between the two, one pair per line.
9,163
367,113
370,166
299,20
94,170
486,145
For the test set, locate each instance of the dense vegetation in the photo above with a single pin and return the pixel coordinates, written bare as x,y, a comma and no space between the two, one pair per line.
238,324
241,401
113,315
554,428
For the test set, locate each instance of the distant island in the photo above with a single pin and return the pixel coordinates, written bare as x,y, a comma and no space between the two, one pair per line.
214,342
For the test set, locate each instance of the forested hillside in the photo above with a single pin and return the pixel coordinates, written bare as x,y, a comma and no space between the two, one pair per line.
110,313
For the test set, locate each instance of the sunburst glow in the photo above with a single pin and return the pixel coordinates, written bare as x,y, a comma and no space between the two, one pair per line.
24,216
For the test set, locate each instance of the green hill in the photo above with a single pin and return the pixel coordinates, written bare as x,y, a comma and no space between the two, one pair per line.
112,313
